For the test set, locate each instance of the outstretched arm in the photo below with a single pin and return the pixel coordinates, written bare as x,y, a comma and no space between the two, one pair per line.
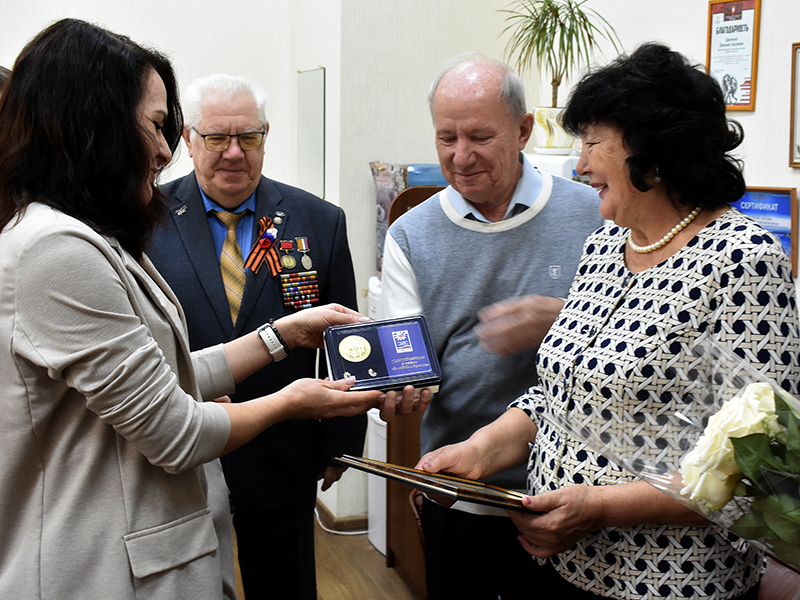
302,399
501,444
248,354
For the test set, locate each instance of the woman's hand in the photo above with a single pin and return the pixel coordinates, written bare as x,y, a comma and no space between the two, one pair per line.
405,402
248,354
323,399
301,399
571,513
305,328
559,519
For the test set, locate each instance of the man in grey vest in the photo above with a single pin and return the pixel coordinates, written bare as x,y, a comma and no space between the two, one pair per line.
486,261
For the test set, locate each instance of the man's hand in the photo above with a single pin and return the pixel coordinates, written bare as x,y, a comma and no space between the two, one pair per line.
516,324
404,402
330,475
463,460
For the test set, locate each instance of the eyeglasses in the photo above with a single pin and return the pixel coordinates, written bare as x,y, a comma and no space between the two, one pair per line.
219,142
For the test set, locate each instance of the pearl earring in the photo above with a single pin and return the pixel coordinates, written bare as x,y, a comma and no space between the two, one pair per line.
657,178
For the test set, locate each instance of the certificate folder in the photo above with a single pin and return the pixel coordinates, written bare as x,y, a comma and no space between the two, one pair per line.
454,488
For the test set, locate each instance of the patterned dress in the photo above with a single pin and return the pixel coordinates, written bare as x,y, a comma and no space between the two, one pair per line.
620,350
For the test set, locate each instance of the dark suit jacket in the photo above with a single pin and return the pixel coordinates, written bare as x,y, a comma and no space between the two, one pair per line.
280,464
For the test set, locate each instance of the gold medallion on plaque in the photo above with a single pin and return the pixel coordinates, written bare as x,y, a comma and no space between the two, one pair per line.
354,348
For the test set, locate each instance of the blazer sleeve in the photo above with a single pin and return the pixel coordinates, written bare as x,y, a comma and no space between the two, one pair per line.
214,377
95,341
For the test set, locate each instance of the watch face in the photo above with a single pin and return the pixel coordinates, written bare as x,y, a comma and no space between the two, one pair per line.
384,355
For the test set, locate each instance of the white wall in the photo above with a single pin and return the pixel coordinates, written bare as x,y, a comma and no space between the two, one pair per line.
391,49
379,56
265,40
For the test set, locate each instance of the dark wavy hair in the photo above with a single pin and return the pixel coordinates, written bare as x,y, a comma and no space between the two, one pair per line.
672,118
70,135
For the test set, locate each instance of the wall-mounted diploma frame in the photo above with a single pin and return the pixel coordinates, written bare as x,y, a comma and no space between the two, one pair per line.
732,51
794,130
384,355
775,209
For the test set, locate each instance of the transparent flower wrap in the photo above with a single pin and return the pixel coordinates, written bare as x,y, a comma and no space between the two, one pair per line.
730,450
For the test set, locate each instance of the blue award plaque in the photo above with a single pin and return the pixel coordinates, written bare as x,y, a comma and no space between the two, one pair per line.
384,355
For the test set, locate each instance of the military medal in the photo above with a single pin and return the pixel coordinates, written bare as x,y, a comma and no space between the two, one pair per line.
302,246
300,290
287,260
354,348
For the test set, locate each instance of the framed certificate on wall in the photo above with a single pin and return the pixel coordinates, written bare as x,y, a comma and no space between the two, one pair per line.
732,51
794,128
775,209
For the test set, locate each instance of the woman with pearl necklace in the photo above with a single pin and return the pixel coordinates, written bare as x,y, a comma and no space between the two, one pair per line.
675,265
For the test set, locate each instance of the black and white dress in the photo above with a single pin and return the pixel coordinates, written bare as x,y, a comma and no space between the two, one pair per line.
619,348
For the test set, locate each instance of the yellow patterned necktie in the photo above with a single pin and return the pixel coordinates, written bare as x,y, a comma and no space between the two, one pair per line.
231,263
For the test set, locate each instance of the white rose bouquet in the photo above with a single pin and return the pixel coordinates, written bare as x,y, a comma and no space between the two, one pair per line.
730,450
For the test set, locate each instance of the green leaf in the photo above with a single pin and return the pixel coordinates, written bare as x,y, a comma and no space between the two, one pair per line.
784,401
751,526
754,454
792,433
557,36
774,483
781,513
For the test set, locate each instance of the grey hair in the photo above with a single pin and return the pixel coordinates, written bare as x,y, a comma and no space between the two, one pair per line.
512,90
226,86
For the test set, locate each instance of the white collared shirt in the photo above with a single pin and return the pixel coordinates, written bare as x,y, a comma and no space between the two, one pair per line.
528,188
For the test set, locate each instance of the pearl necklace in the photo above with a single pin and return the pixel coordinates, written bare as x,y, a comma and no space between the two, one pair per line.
663,241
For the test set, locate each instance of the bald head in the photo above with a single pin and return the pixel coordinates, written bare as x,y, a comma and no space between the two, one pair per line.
495,75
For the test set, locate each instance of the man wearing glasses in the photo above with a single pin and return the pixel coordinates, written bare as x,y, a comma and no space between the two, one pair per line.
240,249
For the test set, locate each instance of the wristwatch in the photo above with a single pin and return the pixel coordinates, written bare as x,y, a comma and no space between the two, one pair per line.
273,341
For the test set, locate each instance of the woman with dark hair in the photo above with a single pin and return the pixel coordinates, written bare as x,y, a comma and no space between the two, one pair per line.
677,266
109,484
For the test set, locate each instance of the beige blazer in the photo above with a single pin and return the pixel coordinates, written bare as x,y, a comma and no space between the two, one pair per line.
103,434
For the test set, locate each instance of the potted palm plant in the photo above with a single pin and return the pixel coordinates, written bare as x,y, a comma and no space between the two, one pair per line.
557,36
